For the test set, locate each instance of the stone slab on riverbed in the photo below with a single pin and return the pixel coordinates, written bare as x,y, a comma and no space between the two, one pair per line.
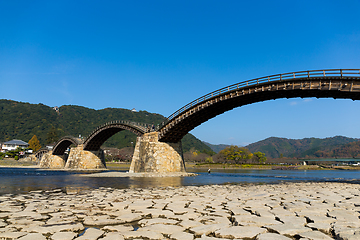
247,211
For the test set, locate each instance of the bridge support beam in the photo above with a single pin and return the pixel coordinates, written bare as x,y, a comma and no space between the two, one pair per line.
52,161
82,159
150,155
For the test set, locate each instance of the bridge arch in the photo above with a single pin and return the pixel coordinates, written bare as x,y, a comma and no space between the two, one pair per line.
64,143
104,132
40,153
329,83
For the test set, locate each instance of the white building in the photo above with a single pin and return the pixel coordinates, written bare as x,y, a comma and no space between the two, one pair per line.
13,145
50,146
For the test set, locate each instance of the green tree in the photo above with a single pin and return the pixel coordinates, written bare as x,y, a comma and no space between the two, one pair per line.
15,153
52,135
209,160
238,154
259,157
34,143
208,152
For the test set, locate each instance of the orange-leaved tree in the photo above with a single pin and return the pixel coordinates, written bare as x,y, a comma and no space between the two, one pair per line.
34,143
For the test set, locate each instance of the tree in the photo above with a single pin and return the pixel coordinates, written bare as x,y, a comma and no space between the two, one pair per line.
237,154
34,143
52,135
260,157
15,153
208,152
209,160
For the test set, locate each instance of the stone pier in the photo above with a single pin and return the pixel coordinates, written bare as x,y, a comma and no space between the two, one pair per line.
150,155
82,159
51,161
77,159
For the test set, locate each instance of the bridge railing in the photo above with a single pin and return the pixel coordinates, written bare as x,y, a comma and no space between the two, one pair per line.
271,78
143,126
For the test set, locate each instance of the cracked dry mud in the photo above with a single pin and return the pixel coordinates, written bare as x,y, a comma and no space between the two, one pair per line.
261,212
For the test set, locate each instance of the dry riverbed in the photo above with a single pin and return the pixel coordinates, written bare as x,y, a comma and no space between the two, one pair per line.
263,212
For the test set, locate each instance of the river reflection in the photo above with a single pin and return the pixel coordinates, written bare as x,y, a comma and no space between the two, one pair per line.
20,180
159,182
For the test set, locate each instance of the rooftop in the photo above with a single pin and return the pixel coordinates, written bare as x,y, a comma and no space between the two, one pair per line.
16,142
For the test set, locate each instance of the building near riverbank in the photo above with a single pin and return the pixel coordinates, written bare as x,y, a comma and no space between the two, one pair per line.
13,145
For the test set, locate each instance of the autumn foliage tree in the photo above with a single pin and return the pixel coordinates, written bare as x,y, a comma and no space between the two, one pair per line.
34,143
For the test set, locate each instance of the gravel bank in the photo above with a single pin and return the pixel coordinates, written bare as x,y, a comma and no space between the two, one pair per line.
262,212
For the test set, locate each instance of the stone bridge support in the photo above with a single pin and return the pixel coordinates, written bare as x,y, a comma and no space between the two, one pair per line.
150,155
51,161
77,159
82,159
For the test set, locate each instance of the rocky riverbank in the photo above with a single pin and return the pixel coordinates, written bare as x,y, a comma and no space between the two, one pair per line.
273,211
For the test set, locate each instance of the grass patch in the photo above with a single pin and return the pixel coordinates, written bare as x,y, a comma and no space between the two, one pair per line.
11,162
118,166
228,166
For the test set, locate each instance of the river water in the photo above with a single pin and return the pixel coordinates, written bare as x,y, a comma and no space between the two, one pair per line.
21,180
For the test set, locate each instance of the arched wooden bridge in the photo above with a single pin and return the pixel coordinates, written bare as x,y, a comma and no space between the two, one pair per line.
94,141
329,83
64,143
104,132
40,153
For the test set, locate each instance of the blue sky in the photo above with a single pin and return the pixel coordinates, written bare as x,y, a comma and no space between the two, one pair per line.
159,55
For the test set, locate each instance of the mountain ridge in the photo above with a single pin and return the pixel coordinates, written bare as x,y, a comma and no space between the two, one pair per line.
275,147
216,147
19,120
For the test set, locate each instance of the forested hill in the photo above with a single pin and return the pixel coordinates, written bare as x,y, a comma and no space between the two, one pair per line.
216,147
332,147
23,120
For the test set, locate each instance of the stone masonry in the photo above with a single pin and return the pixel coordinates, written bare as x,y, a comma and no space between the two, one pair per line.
82,159
52,161
150,155
77,159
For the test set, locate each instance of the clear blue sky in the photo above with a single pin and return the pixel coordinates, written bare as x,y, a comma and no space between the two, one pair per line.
159,55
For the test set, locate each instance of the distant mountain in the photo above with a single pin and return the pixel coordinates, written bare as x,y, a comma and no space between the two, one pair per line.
20,120
216,147
275,147
350,150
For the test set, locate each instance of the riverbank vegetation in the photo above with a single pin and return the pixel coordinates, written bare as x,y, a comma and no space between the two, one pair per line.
230,155
205,166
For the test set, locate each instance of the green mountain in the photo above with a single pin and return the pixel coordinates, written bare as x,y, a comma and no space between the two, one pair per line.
350,150
275,147
20,120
